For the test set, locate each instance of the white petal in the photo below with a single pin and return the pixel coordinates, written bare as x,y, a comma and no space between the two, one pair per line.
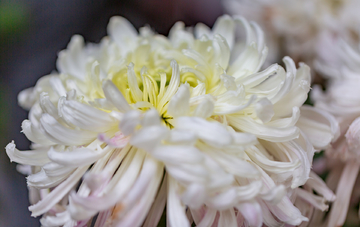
133,84
157,208
285,211
181,137
58,220
205,109
47,106
257,78
72,60
194,196
179,103
149,137
224,26
212,133
223,108
26,98
320,127
42,181
53,169
113,94
117,188
122,32
175,210
244,139
221,52
173,84
151,118
187,173
77,157
130,120
275,194
264,110
273,134
202,30
62,135
233,164
32,157
86,117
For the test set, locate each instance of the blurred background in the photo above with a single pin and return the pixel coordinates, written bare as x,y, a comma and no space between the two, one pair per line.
32,32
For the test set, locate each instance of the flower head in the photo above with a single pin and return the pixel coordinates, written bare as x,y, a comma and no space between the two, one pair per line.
141,120
341,99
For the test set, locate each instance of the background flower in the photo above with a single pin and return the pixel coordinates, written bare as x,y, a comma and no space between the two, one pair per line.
342,159
304,30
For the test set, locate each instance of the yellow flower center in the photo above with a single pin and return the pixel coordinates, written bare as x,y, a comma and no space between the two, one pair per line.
150,74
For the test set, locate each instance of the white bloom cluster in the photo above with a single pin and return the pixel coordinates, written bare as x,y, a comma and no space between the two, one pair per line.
304,29
141,122
342,99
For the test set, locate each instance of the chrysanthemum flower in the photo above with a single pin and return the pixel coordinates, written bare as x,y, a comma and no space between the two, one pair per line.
305,29
342,99
141,122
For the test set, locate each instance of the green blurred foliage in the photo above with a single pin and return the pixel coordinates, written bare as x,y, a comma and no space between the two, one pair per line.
12,18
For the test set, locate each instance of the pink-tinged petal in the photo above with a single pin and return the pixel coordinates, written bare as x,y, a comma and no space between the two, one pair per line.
208,218
285,211
252,213
316,201
102,218
147,185
316,183
58,193
227,218
119,185
198,214
353,137
343,192
117,141
268,217
158,206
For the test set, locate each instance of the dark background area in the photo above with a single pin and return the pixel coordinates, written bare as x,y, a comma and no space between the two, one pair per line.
32,32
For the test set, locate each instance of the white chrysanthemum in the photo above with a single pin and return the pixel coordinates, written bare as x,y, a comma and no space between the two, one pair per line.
142,120
342,99
302,29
